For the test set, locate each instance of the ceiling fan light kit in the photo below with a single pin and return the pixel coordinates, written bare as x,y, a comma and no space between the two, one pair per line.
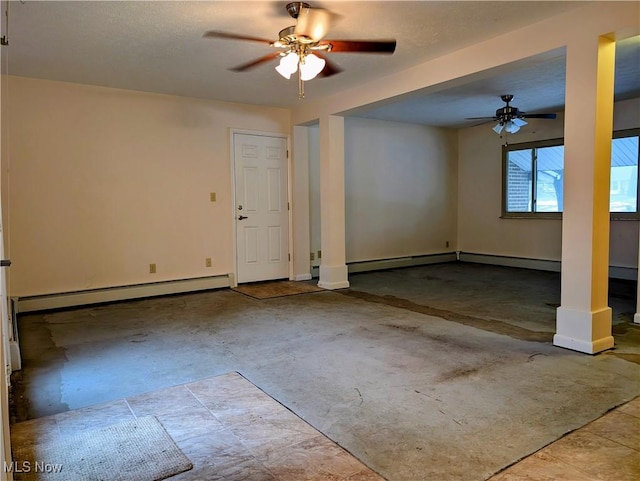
310,66
509,118
288,65
303,43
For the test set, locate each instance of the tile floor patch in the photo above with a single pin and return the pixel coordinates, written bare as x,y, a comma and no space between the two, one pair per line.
226,426
603,450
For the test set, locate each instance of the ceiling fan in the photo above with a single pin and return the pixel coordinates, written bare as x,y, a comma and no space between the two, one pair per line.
510,118
301,47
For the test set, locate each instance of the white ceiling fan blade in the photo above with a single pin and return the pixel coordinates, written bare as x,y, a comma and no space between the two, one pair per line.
313,23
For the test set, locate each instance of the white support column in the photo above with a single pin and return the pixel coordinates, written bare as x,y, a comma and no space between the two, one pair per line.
300,208
333,267
584,317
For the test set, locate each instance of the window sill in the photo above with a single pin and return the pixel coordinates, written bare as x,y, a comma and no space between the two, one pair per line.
540,216
537,215
623,216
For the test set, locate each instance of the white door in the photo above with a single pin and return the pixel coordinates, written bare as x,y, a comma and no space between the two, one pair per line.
262,217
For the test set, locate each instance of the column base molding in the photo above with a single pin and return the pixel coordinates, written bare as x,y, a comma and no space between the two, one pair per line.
334,277
584,331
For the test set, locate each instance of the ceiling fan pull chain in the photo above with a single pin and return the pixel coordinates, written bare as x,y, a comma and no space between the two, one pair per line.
300,85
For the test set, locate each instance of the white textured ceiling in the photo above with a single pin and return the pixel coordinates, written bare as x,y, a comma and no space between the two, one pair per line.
157,46
538,85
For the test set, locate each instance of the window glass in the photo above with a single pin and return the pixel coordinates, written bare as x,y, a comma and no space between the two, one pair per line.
549,163
624,175
519,180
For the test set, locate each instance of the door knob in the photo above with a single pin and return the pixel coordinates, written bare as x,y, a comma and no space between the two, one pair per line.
241,217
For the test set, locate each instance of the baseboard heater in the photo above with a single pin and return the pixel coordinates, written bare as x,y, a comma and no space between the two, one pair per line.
507,261
394,263
118,293
615,272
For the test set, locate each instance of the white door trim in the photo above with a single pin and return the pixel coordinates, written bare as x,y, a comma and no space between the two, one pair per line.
232,159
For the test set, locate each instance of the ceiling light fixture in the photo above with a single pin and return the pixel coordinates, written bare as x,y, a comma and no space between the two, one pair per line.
509,118
305,63
510,126
304,46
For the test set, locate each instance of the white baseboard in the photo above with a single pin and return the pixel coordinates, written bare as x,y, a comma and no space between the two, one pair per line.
120,293
522,262
393,263
379,264
97,296
615,272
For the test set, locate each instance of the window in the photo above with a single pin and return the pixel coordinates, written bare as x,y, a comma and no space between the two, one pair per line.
534,173
624,174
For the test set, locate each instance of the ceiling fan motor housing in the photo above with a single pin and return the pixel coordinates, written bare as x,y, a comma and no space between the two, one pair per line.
507,113
294,8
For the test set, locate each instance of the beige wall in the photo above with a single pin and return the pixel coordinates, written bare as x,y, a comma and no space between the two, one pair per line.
99,183
400,188
102,182
480,228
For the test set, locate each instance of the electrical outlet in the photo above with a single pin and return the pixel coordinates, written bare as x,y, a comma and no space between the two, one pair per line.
207,262
312,257
212,196
152,268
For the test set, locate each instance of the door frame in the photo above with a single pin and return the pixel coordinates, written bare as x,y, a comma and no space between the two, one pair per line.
232,162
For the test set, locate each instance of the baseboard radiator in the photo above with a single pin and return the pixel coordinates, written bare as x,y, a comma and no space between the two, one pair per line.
120,293
615,272
394,263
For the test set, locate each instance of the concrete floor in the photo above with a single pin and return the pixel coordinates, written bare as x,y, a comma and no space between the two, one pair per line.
437,372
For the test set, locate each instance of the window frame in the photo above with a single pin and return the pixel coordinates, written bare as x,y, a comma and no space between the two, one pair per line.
620,134
536,144
558,215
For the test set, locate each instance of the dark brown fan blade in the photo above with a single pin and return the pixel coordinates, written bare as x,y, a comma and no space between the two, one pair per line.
255,63
485,120
365,46
539,116
233,36
330,68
